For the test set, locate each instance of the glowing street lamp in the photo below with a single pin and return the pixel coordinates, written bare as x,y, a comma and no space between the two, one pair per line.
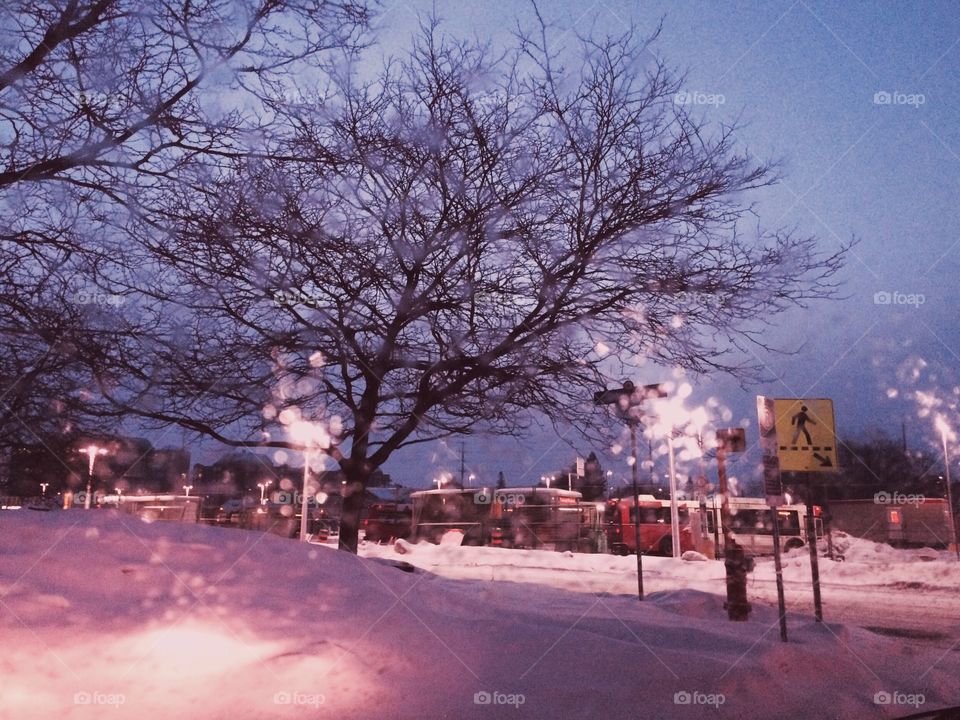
672,415
944,431
263,490
43,489
186,490
312,436
91,451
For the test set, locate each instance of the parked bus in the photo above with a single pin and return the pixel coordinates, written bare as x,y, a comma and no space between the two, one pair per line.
751,524
436,512
550,518
620,519
526,517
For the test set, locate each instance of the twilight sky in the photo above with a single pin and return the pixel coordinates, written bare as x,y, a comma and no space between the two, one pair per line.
860,102
803,77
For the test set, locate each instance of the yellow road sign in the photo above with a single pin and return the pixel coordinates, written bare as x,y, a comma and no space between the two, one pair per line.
806,435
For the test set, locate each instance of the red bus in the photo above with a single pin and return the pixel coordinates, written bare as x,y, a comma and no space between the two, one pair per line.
620,516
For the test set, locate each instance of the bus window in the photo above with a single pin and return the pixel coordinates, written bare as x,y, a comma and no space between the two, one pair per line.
648,516
789,522
752,522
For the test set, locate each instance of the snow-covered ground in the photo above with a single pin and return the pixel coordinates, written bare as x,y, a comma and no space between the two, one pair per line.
102,615
913,593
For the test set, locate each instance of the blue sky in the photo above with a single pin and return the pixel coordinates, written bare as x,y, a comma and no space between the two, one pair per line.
803,78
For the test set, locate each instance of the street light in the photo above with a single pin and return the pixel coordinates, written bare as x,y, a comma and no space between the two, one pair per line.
43,489
263,490
311,436
944,429
672,415
186,490
91,451
119,492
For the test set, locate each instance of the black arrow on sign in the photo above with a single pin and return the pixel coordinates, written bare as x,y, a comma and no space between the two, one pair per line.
824,460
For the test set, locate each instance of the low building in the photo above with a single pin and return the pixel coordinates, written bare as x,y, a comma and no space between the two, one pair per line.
905,520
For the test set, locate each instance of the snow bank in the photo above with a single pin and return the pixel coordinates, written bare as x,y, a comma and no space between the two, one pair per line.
104,616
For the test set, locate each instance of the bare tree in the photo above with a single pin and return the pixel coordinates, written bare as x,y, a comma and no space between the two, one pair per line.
103,103
455,245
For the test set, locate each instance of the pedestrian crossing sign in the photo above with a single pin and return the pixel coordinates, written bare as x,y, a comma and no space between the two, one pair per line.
806,435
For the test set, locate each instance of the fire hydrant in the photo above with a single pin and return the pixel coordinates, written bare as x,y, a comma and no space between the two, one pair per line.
738,564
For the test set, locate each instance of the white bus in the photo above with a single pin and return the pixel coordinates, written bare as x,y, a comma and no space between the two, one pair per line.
751,525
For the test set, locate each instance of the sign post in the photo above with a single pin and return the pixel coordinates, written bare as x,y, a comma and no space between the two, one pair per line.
773,489
627,402
805,434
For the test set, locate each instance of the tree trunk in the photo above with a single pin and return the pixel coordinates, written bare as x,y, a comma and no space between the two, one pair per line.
353,494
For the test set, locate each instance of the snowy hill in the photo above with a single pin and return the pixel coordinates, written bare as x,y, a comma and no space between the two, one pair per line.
102,615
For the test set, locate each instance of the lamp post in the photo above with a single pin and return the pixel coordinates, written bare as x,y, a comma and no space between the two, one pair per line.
312,437
671,416
119,492
186,490
43,489
263,490
944,428
674,510
627,403
91,451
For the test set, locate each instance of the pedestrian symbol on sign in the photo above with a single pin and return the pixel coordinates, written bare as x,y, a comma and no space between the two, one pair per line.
800,420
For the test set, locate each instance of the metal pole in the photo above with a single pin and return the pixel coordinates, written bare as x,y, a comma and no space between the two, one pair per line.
781,603
953,522
86,499
674,513
814,561
636,505
716,529
303,497
724,502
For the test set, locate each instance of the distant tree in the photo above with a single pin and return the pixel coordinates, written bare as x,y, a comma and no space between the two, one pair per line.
878,463
451,246
593,484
